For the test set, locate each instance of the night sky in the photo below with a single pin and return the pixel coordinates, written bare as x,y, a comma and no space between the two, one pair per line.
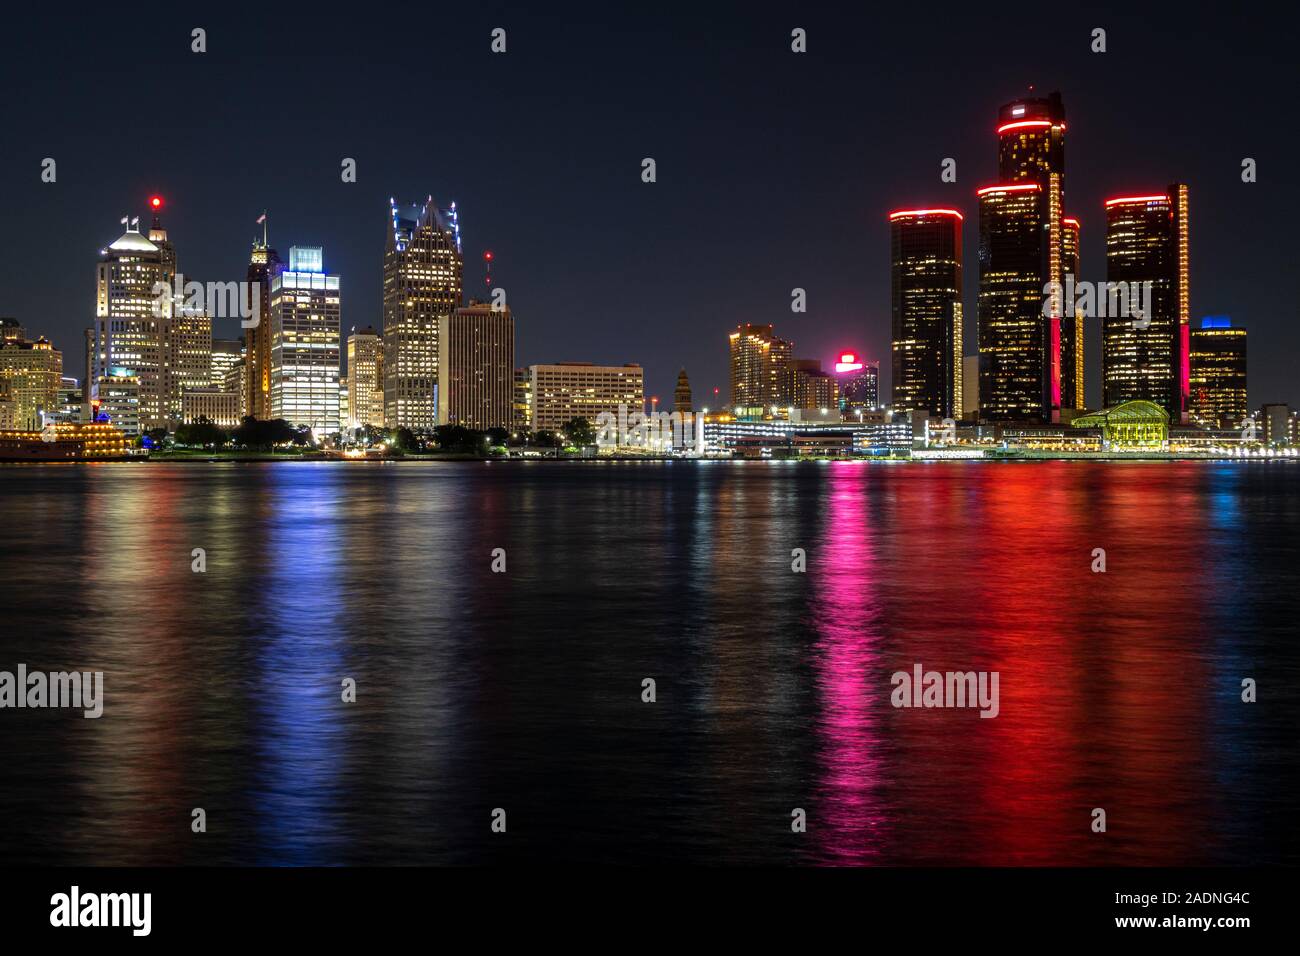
775,170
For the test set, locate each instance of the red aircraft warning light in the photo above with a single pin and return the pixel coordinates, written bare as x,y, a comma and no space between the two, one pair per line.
156,202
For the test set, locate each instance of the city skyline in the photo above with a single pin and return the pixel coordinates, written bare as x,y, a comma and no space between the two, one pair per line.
597,234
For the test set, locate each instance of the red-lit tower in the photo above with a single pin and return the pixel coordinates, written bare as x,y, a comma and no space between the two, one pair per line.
925,286
1024,246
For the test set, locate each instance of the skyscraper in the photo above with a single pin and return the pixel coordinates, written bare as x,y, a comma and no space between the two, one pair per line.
130,316
476,362
32,372
682,393
1025,244
305,325
1012,342
762,378
925,283
365,379
1217,358
423,271
226,354
814,388
188,356
1146,356
263,266
1071,326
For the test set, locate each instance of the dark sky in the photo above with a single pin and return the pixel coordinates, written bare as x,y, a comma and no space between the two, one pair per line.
775,170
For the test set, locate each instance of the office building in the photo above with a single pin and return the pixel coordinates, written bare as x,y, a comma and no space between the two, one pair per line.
1217,360
568,390
305,321
476,361
423,275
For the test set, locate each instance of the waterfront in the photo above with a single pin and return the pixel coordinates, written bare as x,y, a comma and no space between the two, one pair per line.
522,689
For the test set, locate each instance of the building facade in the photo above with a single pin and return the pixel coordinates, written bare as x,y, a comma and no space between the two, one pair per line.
476,362
814,388
762,376
264,265
305,325
569,390
1147,357
217,405
32,373
1217,360
423,276
365,379
131,319
1026,245
925,285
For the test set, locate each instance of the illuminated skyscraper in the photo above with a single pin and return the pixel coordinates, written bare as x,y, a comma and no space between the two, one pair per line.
1012,329
32,373
1071,326
814,388
130,315
476,367
305,321
1025,244
1146,357
925,281
1217,358
365,379
226,354
188,352
422,283
263,266
762,377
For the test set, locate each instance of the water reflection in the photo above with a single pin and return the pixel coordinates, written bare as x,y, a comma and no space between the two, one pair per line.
475,690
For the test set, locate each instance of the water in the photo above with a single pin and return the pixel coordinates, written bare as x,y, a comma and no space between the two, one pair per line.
522,690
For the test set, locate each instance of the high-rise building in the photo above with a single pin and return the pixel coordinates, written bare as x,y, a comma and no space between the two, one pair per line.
263,266
1025,245
925,281
226,354
1070,348
117,401
1012,341
130,319
1276,424
682,393
33,373
423,270
523,395
859,383
187,344
11,331
814,388
569,390
476,362
762,377
1146,356
305,319
365,379
1217,359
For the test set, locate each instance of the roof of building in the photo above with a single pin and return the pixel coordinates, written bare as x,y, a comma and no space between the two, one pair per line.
1136,411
